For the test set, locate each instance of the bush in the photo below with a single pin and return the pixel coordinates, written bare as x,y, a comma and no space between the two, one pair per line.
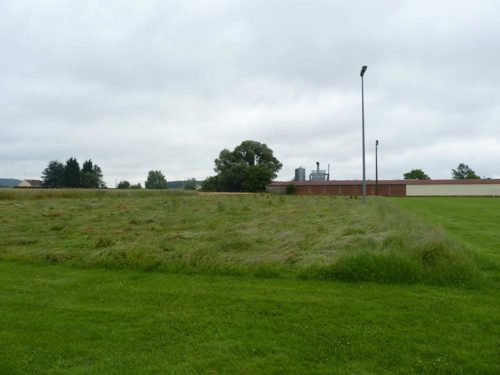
291,189
190,184
123,185
210,184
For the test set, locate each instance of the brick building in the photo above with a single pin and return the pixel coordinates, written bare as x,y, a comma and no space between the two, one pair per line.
400,188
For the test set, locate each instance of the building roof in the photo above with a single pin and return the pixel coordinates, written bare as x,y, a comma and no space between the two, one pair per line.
478,181
387,182
35,183
30,183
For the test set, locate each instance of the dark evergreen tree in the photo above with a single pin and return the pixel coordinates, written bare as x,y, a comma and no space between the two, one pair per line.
59,175
91,175
88,166
53,175
72,174
99,177
88,178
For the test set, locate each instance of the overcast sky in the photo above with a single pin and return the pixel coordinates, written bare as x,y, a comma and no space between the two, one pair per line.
141,85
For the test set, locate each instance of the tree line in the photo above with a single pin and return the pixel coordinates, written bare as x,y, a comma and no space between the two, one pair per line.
155,180
463,172
248,168
69,175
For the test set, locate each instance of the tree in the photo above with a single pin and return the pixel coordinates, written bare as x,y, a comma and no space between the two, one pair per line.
190,184
58,175
99,177
249,167
91,176
464,172
291,189
123,185
416,174
87,177
71,176
156,180
256,177
52,176
210,184
136,186
88,166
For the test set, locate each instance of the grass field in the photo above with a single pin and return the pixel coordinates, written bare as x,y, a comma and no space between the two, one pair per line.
239,284
473,221
256,235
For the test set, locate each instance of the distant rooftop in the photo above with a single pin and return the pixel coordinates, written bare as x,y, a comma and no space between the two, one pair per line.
390,182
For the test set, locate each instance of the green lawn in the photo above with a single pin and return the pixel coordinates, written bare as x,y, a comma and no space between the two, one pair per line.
62,311
474,221
55,319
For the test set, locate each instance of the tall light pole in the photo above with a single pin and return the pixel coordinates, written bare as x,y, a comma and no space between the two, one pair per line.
376,167
363,70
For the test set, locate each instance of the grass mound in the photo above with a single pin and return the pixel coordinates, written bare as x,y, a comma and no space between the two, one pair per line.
406,251
260,235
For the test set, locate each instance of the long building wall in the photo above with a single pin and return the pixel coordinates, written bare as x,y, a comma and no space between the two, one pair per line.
386,190
398,188
453,190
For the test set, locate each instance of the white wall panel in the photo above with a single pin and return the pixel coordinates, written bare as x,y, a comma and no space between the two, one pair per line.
453,190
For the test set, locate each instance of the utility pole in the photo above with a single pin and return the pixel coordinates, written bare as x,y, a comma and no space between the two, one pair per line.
363,70
376,167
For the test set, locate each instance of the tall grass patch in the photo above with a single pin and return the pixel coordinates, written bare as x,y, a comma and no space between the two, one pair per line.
259,235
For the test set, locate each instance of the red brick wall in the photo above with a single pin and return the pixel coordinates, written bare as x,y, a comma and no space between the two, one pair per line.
386,190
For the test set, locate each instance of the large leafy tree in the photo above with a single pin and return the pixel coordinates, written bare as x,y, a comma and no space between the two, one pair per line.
416,174
156,180
463,171
53,175
71,176
249,167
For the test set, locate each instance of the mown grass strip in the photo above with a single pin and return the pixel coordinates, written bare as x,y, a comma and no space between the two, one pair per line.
56,319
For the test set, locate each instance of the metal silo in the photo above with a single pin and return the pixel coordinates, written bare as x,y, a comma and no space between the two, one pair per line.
300,174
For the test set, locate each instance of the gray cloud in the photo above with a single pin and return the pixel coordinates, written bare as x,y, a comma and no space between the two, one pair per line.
168,84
